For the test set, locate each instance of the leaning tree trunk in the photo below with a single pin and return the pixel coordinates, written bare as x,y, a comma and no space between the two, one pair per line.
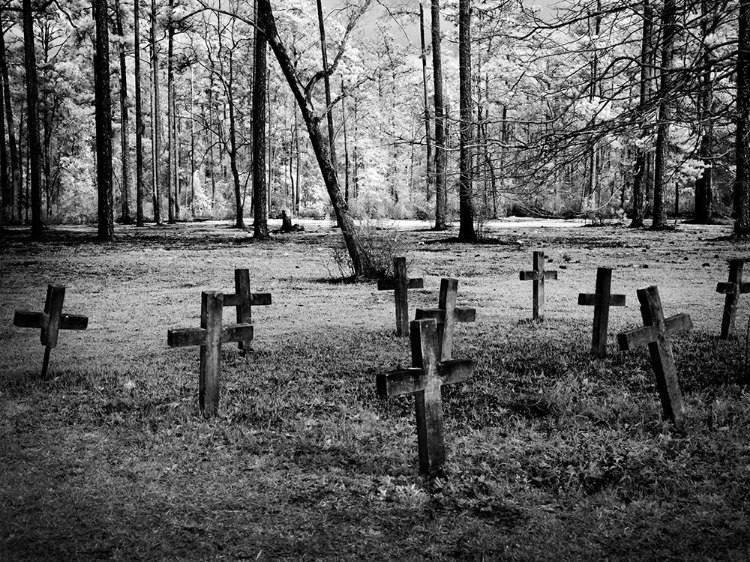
260,186
466,231
360,260
742,186
440,136
32,108
103,103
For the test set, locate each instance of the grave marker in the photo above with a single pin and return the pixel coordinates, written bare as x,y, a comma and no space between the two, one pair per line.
538,276
399,285
425,379
244,300
601,300
447,314
51,321
732,289
656,333
209,337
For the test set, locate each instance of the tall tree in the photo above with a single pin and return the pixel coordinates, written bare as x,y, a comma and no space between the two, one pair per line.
172,181
139,124
704,184
32,110
124,121
103,103
327,85
742,147
15,163
260,91
466,231
428,137
661,173
441,194
155,118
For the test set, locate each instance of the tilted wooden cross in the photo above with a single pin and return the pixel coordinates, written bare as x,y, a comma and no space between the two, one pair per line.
538,276
425,379
209,337
244,300
399,285
732,289
656,333
601,300
447,314
51,321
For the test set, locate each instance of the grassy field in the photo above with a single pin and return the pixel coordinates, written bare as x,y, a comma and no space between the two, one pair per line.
552,454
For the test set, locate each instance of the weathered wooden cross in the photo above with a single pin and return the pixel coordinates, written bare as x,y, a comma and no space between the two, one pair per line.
244,300
51,321
601,300
425,379
538,276
732,289
399,285
656,333
447,314
209,337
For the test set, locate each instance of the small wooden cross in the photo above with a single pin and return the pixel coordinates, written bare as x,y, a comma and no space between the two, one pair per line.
51,321
447,314
424,379
601,300
538,276
732,289
656,333
399,285
244,300
209,337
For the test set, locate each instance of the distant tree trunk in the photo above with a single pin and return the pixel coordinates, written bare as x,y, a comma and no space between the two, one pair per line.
327,87
669,28
139,125
704,184
171,149
359,257
124,120
260,186
440,135
466,231
428,138
32,100
347,167
103,103
155,118
641,159
6,187
742,186
15,163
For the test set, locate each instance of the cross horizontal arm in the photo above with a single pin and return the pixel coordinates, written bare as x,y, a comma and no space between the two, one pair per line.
726,288
588,299
409,381
456,370
550,274
462,314
26,319
256,299
529,276
185,337
648,334
237,332
390,284
73,322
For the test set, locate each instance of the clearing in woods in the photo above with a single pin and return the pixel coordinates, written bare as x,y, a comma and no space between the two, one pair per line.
551,452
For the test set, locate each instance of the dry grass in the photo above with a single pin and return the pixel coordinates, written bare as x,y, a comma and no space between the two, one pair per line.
553,455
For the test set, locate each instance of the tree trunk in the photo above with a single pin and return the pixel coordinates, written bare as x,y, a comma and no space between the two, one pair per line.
327,86
440,135
669,29
347,166
428,138
260,186
124,137
742,186
32,101
139,125
704,184
360,259
466,231
15,162
171,183
6,187
103,103
155,118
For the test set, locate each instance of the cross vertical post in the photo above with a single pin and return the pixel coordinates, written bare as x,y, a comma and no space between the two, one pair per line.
400,285
732,289
601,300
447,314
425,379
243,300
656,333
538,275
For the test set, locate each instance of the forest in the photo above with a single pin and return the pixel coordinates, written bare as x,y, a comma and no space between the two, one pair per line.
174,110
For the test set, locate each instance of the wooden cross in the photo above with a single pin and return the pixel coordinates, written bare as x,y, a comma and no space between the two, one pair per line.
656,333
399,285
209,337
51,321
244,300
424,379
601,300
447,314
538,276
732,289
